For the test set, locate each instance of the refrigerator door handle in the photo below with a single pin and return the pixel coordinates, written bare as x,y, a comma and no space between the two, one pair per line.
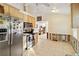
9,39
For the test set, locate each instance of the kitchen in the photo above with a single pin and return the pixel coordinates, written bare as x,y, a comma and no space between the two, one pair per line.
24,27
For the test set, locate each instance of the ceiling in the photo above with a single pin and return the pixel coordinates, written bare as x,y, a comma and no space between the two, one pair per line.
46,8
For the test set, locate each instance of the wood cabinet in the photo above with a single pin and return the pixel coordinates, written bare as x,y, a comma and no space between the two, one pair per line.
75,9
21,15
12,11
75,15
18,14
25,18
1,9
31,19
6,9
15,12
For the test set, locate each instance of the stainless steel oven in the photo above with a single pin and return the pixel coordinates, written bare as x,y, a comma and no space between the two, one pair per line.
3,35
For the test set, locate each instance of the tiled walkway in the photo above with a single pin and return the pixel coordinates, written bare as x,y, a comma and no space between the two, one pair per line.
50,48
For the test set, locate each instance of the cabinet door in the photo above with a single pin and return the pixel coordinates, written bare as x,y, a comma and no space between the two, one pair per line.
25,18
20,15
33,21
16,12
6,9
28,18
12,11
75,15
1,9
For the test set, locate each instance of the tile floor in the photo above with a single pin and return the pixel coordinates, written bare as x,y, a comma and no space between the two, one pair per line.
50,48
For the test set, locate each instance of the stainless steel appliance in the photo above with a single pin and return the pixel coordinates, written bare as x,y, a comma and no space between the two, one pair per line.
28,35
27,27
16,36
4,47
4,38
3,34
11,32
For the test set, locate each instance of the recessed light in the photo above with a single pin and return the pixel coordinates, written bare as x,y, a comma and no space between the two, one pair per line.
54,10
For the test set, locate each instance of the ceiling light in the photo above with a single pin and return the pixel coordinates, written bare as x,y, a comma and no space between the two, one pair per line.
54,10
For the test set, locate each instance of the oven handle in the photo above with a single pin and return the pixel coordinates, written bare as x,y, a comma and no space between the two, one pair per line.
3,41
10,39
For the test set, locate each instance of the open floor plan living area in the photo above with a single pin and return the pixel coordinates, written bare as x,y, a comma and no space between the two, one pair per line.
39,29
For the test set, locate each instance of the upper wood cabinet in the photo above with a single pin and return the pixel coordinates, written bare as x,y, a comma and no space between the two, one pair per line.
75,15
31,19
75,9
28,18
15,12
21,15
12,11
18,14
25,18
1,9
6,9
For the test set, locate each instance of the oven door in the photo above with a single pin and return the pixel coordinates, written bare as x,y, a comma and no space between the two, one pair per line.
4,44
3,37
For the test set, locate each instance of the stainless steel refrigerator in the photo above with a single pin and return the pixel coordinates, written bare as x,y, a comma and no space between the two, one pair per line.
11,36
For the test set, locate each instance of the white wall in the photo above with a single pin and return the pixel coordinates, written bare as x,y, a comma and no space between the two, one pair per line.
59,24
